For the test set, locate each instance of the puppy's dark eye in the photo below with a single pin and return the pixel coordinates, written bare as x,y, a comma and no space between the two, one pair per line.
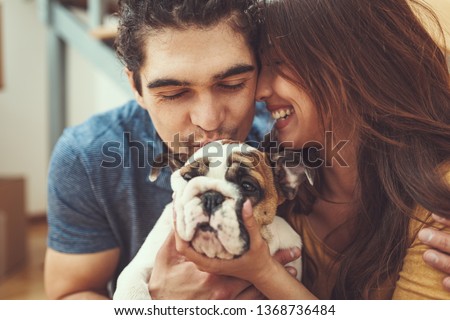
248,187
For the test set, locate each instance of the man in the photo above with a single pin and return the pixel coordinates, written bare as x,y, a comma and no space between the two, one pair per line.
192,68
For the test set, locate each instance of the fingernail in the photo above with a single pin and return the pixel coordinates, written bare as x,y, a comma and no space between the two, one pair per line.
295,252
292,271
438,218
425,235
247,213
430,257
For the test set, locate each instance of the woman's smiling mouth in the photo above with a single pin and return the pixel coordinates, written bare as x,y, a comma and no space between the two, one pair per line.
282,113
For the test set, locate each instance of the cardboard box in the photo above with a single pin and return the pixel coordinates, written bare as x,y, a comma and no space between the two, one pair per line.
13,225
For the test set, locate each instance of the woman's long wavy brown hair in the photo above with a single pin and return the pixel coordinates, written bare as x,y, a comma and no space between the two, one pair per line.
372,63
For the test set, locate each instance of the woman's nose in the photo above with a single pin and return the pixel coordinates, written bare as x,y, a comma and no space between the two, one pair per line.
264,89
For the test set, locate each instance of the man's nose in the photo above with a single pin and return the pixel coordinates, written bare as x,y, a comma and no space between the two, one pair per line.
208,113
211,200
264,86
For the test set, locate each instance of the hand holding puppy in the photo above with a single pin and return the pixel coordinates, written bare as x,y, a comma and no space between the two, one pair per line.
254,266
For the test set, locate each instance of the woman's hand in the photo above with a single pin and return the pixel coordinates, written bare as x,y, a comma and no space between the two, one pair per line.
439,240
254,266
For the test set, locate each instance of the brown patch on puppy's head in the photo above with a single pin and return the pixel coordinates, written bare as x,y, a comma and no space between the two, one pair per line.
199,167
251,172
267,209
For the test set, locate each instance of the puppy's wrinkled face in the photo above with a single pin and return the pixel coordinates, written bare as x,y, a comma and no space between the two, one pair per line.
210,190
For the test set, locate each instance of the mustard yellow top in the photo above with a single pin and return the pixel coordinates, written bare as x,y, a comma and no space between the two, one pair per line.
417,280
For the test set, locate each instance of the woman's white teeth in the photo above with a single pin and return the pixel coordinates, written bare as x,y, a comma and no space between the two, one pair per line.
282,114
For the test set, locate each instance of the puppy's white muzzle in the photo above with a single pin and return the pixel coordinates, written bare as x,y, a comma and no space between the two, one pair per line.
214,230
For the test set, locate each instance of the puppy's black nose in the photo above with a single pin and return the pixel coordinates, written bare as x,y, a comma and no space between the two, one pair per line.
211,200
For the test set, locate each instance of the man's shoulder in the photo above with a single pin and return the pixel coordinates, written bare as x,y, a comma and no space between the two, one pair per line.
113,125
110,124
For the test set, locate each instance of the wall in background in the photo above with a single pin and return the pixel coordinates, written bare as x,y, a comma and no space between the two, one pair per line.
1,48
24,147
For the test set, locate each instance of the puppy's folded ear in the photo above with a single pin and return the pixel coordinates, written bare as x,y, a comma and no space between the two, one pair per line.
174,160
290,171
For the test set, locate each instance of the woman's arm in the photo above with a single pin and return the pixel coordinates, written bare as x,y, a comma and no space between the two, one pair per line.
256,266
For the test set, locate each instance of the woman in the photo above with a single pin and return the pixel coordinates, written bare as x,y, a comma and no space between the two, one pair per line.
369,73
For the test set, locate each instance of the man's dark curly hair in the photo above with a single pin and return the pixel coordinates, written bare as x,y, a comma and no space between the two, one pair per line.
139,18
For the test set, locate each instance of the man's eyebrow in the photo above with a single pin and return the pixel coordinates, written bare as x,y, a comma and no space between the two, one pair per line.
235,70
167,83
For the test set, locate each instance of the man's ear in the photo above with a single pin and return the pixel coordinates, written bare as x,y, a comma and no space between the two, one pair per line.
290,172
174,160
137,95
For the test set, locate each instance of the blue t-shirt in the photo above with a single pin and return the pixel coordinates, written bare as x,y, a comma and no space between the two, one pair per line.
99,193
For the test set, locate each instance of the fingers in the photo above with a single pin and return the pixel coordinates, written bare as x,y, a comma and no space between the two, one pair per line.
248,219
437,260
292,271
287,255
253,228
250,293
445,221
439,256
202,262
436,239
181,246
167,249
446,283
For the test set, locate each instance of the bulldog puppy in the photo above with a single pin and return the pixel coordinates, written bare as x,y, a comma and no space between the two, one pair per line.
210,189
